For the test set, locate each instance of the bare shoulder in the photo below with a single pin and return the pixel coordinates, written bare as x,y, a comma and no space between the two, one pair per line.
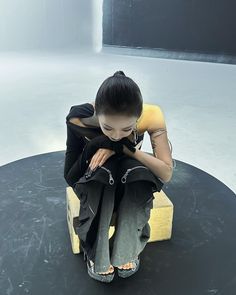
77,121
83,122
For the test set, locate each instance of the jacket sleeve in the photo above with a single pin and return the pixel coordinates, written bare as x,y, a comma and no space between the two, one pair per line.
79,153
75,163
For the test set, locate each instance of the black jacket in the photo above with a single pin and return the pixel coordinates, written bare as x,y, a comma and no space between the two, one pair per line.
77,144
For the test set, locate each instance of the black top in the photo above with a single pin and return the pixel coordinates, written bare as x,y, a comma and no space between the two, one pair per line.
86,110
82,111
77,138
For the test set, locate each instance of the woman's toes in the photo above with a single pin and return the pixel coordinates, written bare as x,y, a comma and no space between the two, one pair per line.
111,269
130,265
126,266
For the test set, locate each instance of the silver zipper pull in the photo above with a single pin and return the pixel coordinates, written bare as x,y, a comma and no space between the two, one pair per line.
123,178
111,179
88,173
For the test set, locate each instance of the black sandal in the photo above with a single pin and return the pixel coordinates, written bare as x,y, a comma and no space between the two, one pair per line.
125,273
106,278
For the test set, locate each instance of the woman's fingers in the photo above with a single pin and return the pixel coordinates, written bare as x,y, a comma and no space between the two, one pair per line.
100,157
96,160
102,161
92,163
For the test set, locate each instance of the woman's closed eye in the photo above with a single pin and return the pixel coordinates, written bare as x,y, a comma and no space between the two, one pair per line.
122,130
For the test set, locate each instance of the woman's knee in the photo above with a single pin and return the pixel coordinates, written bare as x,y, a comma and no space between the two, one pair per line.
139,193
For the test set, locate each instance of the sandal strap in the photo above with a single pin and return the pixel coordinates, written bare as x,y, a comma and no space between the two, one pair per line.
92,268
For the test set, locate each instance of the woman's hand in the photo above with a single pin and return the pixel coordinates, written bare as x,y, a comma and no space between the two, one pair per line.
127,151
100,157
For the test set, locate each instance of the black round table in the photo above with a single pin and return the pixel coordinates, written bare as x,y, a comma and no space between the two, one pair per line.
36,256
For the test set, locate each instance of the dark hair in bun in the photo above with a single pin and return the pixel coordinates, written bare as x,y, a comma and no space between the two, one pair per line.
119,95
119,73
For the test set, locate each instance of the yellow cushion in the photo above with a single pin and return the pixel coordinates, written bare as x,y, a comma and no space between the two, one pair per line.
160,221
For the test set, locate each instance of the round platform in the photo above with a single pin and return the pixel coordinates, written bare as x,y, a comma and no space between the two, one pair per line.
36,256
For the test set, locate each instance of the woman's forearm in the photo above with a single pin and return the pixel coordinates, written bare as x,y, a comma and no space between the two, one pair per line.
158,167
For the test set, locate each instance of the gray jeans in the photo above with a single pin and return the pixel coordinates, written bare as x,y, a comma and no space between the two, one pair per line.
122,185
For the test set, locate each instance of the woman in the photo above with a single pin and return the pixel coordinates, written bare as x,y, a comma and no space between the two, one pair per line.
111,176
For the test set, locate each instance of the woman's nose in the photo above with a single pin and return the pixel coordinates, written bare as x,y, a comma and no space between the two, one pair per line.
116,136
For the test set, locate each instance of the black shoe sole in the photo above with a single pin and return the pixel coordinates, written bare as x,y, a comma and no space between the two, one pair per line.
105,278
125,273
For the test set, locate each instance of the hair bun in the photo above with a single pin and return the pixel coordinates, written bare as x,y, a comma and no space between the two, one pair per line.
119,73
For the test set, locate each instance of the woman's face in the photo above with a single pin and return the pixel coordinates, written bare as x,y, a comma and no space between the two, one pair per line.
116,127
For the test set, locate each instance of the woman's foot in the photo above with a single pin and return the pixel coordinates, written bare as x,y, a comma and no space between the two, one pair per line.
110,270
128,265
105,277
128,269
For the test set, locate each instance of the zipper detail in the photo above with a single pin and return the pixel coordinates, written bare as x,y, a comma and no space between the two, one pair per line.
88,173
123,178
149,200
111,179
91,209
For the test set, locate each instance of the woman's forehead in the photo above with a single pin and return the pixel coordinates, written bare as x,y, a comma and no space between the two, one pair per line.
112,120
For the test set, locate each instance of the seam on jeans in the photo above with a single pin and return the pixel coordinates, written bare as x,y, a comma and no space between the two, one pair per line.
91,209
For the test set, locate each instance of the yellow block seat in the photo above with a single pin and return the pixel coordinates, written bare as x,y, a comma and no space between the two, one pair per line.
160,221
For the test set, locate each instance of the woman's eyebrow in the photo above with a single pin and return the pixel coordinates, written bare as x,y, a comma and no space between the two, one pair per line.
122,128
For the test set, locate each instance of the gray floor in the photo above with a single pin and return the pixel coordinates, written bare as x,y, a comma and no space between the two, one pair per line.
37,90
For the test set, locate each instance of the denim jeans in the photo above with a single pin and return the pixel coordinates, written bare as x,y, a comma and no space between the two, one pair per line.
122,185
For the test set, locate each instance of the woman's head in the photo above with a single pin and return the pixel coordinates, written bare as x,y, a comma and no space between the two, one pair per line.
118,105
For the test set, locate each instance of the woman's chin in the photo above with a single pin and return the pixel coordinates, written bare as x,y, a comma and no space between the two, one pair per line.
115,140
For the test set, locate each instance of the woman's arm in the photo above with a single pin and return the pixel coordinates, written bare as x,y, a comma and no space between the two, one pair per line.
161,164
79,154
74,164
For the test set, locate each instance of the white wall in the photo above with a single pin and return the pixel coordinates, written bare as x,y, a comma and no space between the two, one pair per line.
46,24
